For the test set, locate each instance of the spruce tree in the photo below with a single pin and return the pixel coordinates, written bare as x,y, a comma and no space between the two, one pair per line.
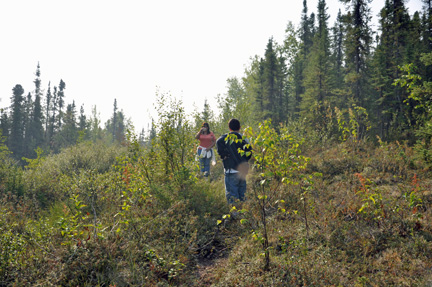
269,65
4,126
291,52
36,126
152,131
306,35
206,113
318,73
16,138
252,84
36,121
82,125
391,52
60,102
357,44
52,123
427,35
82,121
272,81
116,125
95,131
28,132
68,134
48,107
282,88
114,120
122,125
307,30
337,61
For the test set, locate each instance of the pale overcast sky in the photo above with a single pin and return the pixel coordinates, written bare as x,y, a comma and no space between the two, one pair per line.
127,50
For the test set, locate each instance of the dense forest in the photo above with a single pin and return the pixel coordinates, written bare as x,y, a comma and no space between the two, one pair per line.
339,191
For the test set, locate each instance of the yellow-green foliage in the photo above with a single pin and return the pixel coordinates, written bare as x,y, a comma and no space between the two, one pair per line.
97,215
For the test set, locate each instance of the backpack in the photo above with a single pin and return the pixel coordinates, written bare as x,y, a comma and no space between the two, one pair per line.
228,151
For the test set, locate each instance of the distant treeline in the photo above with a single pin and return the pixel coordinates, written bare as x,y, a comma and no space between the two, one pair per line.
42,120
328,75
379,82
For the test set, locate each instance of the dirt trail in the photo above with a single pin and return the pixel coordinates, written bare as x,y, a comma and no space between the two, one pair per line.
208,267
206,270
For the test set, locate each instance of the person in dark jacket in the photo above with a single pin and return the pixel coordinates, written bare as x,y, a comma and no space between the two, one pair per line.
235,164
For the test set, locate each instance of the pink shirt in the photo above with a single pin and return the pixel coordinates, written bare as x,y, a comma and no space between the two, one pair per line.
207,140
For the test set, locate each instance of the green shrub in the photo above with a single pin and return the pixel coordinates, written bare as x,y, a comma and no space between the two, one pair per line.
50,179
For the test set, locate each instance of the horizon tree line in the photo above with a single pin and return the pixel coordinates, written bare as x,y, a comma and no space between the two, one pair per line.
43,121
348,66
317,71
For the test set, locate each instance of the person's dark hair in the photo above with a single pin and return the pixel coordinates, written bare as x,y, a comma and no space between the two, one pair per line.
234,124
204,124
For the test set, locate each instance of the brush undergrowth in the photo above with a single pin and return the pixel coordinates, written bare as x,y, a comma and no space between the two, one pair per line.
125,216
369,225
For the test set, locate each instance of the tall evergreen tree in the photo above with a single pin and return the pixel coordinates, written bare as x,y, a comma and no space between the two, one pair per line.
337,59
83,125
48,107
68,134
16,138
391,52
116,125
4,126
357,43
307,30
28,132
114,120
291,52
82,121
306,34
269,77
152,131
427,35
318,73
414,40
36,122
206,113
251,84
54,108
95,131
122,126
60,102
272,82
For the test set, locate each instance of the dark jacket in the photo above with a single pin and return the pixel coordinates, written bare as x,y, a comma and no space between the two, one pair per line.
229,152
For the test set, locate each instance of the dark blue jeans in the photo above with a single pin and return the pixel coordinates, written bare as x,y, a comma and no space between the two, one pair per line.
235,188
